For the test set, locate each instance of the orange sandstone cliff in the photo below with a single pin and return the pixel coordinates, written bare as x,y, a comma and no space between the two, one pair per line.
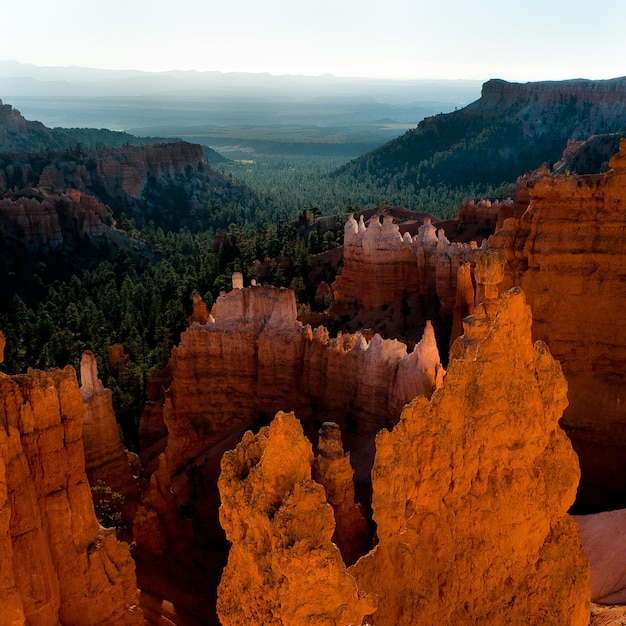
381,264
283,568
470,497
57,565
106,460
230,374
566,252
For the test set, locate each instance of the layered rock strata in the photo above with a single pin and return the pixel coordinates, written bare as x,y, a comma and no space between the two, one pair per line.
254,358
39,218
106,460
470,497
125,171
566,252
57,565
381,264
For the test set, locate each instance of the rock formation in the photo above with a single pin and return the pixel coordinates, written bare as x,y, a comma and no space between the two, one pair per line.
603,536
566,254
333,471
283,568
251,359
124,171
57,565
381,265
464,300
106,460
41,218
470,497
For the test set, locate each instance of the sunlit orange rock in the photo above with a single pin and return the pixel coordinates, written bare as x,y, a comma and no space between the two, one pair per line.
464,300
470,497
333,471
57,565
251,359
471,490
283,567
106,460
566,254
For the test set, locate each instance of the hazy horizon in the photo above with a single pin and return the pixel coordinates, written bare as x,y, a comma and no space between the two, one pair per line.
400,40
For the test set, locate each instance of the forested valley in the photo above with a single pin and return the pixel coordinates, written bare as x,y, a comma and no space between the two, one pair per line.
273,217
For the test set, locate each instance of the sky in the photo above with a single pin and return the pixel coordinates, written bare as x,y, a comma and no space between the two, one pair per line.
401,39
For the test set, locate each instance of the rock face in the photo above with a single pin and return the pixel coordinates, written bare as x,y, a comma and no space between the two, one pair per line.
470,497
283,568
380,265
124,171
333,471
106,460
445,478
250,360
566,253
17,134
41,218
57,565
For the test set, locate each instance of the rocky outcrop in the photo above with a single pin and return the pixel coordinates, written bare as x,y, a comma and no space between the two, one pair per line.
58,565
18,134
487,439
498,94
464,300
251,359
283,568
36,220
566,254
48,219
381,265
124,171
470,497
333,471
106,460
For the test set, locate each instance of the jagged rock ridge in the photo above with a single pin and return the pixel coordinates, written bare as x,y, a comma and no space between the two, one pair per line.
58,565
471,492
566,253
252,358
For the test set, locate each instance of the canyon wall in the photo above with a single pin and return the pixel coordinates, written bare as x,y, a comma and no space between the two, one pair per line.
124,171
41,218
566,252
380,265
106,461
470,497
57,564
251,359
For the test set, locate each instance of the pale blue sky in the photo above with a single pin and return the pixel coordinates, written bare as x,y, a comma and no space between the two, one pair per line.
477,39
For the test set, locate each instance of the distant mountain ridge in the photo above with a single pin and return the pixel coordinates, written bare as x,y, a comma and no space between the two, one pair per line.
26,79
512,128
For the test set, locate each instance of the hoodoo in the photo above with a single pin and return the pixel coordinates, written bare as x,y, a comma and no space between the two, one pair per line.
470,497
58,566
